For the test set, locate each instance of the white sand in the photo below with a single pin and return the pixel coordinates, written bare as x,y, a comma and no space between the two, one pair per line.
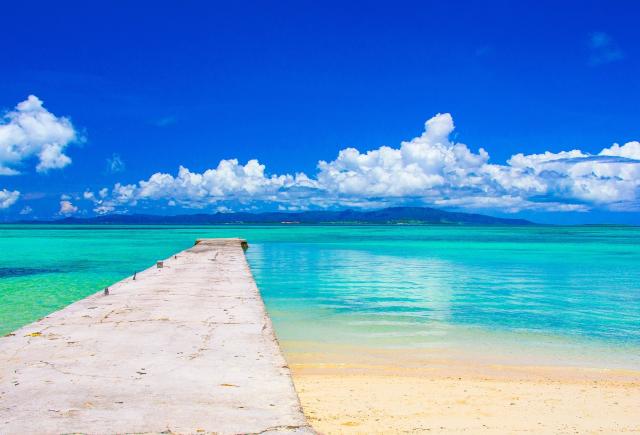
382,391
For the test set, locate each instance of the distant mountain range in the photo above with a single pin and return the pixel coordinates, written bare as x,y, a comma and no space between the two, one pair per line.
392,215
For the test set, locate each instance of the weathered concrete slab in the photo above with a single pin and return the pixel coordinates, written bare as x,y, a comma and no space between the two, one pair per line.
187,348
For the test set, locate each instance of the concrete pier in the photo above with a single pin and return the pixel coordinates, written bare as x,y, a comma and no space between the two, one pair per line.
183,348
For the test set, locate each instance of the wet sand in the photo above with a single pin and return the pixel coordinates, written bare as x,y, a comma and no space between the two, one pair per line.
399,391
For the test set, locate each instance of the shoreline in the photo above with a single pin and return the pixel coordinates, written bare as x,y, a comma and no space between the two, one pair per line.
480,349
401,390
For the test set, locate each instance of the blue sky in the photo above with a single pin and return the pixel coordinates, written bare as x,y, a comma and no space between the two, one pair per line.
125,93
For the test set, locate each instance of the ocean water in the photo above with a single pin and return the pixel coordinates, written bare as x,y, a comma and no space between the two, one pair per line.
561,294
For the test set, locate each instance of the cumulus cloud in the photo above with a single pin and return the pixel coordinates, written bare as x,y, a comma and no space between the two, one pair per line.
630,150
8,198
420,167
430,169
230,179
31,131
67,208
100,206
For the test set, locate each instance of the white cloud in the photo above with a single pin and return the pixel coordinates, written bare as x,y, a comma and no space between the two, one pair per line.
115,164
26,210
630,150
8,198
30,131
421,167
67,208
104,209
228,180
100,206
430,169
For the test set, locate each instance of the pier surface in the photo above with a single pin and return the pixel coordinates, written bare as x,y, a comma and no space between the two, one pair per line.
186,348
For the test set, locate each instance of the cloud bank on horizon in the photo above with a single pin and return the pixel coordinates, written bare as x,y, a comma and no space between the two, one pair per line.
430,169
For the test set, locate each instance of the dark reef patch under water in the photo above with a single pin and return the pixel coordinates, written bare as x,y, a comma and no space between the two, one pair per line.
12,272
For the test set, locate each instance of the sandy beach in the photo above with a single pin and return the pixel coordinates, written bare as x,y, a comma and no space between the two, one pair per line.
396,391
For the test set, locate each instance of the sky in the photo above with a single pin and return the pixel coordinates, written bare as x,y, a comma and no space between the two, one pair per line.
520,109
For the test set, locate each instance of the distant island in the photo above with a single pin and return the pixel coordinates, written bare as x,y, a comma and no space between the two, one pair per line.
391,215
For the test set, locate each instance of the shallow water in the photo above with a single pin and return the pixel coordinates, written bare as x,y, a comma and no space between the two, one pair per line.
570,294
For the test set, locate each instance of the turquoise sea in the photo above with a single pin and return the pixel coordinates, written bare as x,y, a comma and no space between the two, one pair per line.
566,295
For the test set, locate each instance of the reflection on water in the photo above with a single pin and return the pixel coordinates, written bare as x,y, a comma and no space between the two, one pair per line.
578,298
